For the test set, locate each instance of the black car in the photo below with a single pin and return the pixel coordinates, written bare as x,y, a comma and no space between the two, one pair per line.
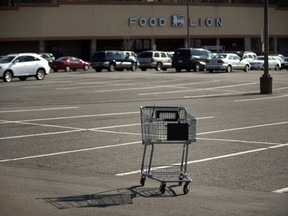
113,60
190,58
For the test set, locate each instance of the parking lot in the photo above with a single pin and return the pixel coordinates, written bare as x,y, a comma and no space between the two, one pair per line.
71,144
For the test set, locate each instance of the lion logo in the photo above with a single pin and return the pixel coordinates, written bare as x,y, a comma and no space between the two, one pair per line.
177,20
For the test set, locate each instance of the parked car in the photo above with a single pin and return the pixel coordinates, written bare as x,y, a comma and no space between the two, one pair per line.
278,59
48,56
190,58
258,64
279,56
68,63
113,60
284,64
23,65
133,56
227,62
249,56
158,60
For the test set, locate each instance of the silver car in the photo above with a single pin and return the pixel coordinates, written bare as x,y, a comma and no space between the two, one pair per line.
158,60
227,62
258,64
23,65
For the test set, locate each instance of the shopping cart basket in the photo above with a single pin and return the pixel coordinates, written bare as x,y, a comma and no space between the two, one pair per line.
166,125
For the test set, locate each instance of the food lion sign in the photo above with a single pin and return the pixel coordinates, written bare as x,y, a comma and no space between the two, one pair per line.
176,21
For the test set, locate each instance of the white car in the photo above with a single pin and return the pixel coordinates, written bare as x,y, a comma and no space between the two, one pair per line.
133,56
249,56
227,62
23,65
259,63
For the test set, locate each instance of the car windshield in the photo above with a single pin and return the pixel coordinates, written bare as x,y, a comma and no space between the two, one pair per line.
145,55
6,59
182,53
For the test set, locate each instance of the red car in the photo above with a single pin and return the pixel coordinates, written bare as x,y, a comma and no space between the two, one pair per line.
68,63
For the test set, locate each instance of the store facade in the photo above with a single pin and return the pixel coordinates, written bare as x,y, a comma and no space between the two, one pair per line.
81,29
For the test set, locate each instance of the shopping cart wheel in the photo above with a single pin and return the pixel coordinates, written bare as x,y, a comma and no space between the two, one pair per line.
186,188
162,188
142,180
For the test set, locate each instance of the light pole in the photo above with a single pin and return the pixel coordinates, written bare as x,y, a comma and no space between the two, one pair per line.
188,25
266,79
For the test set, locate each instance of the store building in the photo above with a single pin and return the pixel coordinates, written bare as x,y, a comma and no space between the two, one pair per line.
79,28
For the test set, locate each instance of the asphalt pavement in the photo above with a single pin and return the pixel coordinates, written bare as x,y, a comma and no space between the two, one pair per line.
71,144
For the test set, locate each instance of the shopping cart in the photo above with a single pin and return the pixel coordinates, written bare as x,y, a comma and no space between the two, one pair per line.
166,125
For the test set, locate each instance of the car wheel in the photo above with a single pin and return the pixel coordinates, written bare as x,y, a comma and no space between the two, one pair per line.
23,78
67,68
197,67
111,67
229,69
246,69
86,67
277,67
158,66
134,67
40,75
7,76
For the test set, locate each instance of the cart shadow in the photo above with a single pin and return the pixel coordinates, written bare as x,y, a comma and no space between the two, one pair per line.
106,199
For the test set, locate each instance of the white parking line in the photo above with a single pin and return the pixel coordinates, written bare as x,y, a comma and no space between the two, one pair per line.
239,141
110,83
262,98
115,126
139,88
199,89
208,159
80,116
282,190
74,129
41,134
116,132
211,95
68,152
92,85
243,128
156,86
43,109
